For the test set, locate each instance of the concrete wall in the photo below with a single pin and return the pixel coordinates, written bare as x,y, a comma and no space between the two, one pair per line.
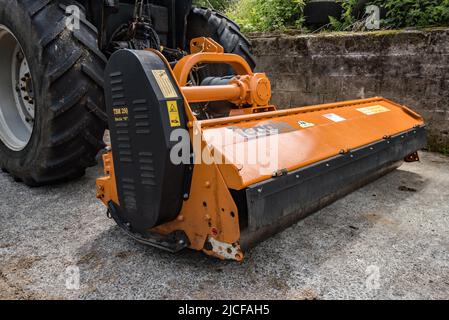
409,67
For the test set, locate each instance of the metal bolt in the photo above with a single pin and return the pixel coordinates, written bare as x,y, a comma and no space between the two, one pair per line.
214,231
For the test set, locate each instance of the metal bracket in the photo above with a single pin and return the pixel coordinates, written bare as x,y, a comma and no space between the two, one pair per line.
173,242
225,250
414,157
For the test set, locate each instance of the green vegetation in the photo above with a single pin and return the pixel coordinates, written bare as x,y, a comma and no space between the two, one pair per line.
220,5
415,13
347,19
266,15
399,14
269,15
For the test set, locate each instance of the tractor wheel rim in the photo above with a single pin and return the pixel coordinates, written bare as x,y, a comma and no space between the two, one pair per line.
17,97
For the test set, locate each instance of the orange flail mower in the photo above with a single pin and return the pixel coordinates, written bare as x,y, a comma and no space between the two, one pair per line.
177,177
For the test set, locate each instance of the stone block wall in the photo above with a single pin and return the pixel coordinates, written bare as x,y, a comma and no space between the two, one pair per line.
409,67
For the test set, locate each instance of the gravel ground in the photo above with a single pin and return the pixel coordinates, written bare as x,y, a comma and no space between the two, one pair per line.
389,240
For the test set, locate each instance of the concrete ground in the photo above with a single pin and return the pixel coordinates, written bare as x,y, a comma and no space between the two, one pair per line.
389,240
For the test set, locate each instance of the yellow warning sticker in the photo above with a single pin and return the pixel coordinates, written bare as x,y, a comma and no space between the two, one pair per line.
165,84
369,111
173,114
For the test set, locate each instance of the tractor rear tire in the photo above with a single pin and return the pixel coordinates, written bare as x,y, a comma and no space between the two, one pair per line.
66,73
203,22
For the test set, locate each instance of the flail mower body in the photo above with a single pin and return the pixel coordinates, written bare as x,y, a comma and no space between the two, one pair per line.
242,178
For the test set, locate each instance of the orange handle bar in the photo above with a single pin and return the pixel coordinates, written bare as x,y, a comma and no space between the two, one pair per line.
246,88
185,65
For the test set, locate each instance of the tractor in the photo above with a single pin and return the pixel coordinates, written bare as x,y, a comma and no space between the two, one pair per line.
52,59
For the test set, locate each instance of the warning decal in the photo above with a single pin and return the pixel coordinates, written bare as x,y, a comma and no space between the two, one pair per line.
305,124
334,117
173,114
369,111
165,84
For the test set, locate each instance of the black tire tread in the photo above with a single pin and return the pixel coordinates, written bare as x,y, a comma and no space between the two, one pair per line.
227,33
74,85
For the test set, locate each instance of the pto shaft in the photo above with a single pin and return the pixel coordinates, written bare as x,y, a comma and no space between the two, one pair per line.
252,90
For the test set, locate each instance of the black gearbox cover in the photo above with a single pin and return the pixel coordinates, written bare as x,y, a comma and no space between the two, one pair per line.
144,106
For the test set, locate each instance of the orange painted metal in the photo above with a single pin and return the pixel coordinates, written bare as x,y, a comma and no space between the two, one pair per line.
203,44
330,129
106,186
254,91
303,135
245,89
185,65
211,93
207,51
209,212
251,110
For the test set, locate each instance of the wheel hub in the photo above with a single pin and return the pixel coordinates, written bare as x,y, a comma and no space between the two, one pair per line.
17,96
25,89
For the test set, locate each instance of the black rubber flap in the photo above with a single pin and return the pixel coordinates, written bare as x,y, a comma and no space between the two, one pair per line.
276,204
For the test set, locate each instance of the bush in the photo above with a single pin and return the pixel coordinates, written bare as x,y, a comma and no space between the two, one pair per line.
219,5
414,13
267,15
399,14
347,19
